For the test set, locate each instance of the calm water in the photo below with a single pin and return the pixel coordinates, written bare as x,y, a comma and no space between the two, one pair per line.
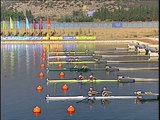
20,68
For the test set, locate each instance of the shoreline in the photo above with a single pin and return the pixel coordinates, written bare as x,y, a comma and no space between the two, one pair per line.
110,41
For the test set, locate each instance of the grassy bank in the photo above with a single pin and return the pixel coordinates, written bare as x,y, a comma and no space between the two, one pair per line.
100,33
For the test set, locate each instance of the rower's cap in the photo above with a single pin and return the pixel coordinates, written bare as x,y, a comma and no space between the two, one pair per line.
104,88
90,88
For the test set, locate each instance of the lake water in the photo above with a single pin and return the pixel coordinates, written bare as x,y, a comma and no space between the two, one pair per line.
20,68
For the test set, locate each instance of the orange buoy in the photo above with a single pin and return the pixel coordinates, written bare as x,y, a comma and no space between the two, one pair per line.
44,50
58,59
36,114
44,54
65,87
41,74
61,77
39,88
56,54
56,50
59,65
36,109
43,58
42,65
61,74
70,110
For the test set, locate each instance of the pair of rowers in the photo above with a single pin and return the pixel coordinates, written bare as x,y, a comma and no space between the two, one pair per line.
72,59
84,66
82,77
105,92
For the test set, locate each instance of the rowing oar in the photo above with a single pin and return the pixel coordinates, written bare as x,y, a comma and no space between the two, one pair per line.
87,98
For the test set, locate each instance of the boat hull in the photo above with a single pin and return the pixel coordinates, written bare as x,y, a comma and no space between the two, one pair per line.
48,98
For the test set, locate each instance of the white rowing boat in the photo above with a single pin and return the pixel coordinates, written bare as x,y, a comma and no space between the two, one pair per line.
58,98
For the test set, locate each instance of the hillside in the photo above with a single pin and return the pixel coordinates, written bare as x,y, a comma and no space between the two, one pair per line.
59,8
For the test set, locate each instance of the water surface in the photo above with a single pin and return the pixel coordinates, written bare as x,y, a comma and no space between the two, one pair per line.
20,68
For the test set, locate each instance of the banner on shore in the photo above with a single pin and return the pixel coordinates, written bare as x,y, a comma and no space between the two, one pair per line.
86,37
56,38
48,38
69,37
22,38
117,24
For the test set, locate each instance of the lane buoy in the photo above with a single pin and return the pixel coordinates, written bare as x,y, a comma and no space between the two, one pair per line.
65,87
58,59
70,110
36,109
41,74
44,54
56,54
42,65
44,50
43,58
61,74
56,50
36,114
59,65
61,77
39,88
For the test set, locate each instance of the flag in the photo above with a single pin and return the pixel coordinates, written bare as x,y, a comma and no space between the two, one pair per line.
4,26
11,23
48,23
18,23
40,24
27,23
34,24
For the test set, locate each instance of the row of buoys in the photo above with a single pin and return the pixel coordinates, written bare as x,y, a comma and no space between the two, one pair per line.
65,88
37,110
70,109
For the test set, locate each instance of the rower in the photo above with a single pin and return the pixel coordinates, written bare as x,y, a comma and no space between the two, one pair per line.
76,59
71,59
80,77
84,66
91,92
122,76
105,92
92,77
107,67
143,93
97,59
76,66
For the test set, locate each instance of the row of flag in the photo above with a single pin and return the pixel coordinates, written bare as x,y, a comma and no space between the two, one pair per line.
4,25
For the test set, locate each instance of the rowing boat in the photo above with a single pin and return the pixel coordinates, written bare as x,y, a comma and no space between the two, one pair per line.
120,80
58,98
76,62
78,81
68,52
76,56
111,56
124,51
87,53
112,69
103,61
84,70
134,61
